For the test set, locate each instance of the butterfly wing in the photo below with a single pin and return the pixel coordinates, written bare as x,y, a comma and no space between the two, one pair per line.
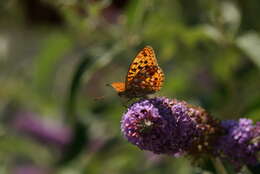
147,81
145,58
118,86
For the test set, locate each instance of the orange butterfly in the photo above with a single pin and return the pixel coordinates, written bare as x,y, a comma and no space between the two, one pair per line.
144,76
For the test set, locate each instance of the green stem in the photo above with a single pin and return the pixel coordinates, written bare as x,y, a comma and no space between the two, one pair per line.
219,166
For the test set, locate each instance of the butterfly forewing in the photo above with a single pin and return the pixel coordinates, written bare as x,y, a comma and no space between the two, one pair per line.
144,58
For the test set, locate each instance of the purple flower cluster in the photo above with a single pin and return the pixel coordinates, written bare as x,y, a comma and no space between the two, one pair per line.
47,132
166,126
169,126
29,169
240,143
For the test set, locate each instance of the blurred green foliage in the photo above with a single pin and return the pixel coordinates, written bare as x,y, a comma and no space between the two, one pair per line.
209,51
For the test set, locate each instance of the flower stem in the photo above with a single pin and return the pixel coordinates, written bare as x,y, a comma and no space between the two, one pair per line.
219,166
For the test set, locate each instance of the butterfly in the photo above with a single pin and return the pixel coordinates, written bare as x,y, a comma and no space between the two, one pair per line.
144,76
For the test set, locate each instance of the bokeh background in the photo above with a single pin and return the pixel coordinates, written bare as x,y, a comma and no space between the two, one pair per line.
56,57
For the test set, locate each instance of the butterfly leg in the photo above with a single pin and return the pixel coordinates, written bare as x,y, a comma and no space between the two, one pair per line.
128,102
124,104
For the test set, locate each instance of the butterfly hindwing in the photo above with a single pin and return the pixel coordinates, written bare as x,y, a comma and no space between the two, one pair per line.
147,81
118,86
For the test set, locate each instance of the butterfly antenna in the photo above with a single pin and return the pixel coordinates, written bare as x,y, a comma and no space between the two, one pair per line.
99,98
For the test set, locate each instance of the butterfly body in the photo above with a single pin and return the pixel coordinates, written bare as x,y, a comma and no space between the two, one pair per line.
144,76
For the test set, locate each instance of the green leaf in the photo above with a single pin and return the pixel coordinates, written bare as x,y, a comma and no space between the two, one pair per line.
53,49
75,85
250,44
